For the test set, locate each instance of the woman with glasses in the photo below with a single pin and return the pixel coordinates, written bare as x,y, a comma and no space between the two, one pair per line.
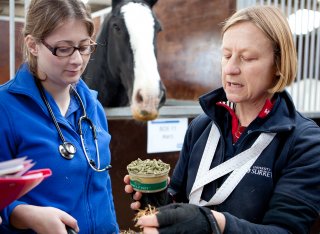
50,115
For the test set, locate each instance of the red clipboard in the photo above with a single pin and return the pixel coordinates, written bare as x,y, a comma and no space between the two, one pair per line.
11,188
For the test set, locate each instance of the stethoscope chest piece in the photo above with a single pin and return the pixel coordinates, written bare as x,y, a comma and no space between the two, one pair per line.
67,150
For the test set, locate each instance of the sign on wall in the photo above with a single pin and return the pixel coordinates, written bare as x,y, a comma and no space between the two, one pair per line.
166,135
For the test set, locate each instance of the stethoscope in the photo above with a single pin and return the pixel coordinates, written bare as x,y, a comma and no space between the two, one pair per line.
67,150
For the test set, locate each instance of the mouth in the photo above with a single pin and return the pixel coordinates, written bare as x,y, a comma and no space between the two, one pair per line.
73,72
234,85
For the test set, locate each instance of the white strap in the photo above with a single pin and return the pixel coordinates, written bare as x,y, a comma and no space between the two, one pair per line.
239,164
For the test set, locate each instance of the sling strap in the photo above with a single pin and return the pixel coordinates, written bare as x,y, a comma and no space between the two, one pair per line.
238,165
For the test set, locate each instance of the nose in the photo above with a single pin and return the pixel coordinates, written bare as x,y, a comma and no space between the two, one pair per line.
231,67
76,57
162,95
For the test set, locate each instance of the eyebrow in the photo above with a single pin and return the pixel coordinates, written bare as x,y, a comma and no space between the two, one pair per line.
72,42
240,50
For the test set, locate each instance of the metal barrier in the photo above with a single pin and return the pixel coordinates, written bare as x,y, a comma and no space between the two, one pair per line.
304,20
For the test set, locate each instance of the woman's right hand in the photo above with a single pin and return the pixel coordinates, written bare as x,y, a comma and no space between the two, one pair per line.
135,195
42,220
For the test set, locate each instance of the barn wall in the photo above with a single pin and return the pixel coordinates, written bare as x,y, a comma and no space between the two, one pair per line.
189,45
4,49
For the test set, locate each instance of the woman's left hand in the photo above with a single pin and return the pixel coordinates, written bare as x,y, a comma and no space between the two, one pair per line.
182,218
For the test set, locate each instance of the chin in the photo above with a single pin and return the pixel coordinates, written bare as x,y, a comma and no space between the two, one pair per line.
72,80
232,98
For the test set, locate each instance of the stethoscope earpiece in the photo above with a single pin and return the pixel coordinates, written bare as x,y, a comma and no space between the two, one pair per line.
67,150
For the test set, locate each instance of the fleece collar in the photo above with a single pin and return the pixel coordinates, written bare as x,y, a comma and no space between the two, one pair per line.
237,129
283,111
24,84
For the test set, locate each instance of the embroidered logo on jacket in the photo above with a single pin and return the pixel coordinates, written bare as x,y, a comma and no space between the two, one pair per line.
261,171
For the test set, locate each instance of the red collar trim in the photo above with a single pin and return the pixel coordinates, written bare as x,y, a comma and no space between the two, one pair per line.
266,109
237,130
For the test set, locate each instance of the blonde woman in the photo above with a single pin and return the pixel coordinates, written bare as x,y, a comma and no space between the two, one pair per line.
251,162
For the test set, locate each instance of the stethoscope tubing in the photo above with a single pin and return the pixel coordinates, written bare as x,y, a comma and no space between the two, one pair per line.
67,150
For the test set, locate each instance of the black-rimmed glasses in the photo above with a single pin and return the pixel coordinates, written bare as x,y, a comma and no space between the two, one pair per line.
65,51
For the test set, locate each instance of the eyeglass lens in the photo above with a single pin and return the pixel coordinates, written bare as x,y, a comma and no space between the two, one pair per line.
65,51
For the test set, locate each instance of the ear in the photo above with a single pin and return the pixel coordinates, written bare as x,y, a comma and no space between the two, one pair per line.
31,45
151,3
114,3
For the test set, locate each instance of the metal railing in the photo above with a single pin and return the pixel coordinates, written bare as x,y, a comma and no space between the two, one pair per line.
305,91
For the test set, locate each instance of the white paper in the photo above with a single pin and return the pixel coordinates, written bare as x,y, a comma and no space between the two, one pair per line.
15,167
166,135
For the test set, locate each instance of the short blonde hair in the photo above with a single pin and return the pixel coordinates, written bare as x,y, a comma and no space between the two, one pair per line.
44,16
274,25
